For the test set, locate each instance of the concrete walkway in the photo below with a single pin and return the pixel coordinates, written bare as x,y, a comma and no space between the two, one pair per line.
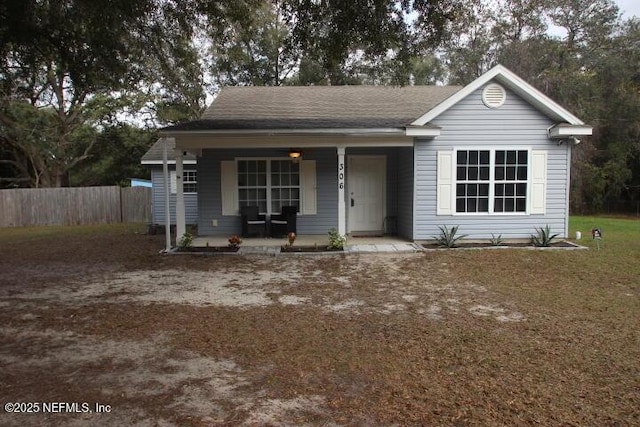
271,246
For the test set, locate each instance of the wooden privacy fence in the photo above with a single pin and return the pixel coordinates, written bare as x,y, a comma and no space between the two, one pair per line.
71,206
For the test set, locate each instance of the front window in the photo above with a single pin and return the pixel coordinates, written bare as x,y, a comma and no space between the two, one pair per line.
510,181
268,184
472,186
491,181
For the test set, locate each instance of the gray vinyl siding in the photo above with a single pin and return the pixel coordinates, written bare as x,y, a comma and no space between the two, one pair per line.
210,202
190,199
470,123
405,192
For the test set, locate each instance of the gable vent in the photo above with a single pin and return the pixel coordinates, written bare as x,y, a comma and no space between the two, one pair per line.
494,95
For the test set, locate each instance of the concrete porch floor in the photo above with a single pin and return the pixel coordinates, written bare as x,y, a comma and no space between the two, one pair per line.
354,244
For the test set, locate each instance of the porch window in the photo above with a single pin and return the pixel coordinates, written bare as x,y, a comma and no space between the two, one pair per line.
285,184
491,181
190,181
268,184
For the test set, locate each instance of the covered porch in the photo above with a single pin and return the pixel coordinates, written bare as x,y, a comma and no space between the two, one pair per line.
359,184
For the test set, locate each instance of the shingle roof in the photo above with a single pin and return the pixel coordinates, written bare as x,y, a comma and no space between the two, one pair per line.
155,153
314,107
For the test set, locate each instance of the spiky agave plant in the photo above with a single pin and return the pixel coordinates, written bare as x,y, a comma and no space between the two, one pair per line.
496,241
544,238
447,237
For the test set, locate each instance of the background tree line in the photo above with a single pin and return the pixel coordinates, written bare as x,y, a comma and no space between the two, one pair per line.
84,84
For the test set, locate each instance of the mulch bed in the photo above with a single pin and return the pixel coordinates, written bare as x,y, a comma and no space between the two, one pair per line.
561,244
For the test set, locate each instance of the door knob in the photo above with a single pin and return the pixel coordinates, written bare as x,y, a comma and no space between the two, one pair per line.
352,202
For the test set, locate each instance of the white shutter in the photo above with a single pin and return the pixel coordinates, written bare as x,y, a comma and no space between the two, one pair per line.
172,182
444,186
308,187
538,181
229,187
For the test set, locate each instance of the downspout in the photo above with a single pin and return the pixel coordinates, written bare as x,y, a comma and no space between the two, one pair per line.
568,199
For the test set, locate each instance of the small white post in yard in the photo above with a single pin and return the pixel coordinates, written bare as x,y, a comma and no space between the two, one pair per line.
167,210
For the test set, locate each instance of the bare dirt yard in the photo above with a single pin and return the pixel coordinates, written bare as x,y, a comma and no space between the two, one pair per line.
94,315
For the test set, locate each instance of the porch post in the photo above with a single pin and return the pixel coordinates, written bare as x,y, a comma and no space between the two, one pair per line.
181,227
342,209
167,210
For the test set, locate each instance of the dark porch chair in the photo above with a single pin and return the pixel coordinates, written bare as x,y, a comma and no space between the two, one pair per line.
285,222
252,222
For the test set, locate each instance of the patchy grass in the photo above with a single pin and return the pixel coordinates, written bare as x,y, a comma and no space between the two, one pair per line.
509,337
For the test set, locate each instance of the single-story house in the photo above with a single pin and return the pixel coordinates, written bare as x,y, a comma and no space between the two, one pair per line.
492,157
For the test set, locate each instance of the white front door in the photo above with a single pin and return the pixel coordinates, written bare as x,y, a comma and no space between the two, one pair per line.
366,194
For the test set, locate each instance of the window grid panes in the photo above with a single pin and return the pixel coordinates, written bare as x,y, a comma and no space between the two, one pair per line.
190,181
285,184
268,184
510,188
252,183
472,188
491,181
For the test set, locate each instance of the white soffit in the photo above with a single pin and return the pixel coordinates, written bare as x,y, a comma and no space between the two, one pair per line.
564,131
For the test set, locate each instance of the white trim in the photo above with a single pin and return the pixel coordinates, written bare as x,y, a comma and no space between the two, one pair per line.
229,188
342,203
318,131
288,141
181,227
445,190
173,181
567,193
268,185
167,208
492,181
558,131
308,188
511,81
538,161
422,131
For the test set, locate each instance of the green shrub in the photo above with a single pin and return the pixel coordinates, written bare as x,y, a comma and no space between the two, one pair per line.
496,241
185,241
336,240
544,238
447,237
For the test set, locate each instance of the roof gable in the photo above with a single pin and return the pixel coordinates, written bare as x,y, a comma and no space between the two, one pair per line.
511,81
155,154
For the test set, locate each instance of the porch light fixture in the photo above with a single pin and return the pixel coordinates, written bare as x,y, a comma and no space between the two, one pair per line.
295,154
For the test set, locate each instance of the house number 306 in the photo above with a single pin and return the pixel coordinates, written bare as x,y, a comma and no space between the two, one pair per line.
341,176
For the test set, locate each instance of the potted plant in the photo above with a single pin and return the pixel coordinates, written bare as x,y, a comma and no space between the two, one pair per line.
235,241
